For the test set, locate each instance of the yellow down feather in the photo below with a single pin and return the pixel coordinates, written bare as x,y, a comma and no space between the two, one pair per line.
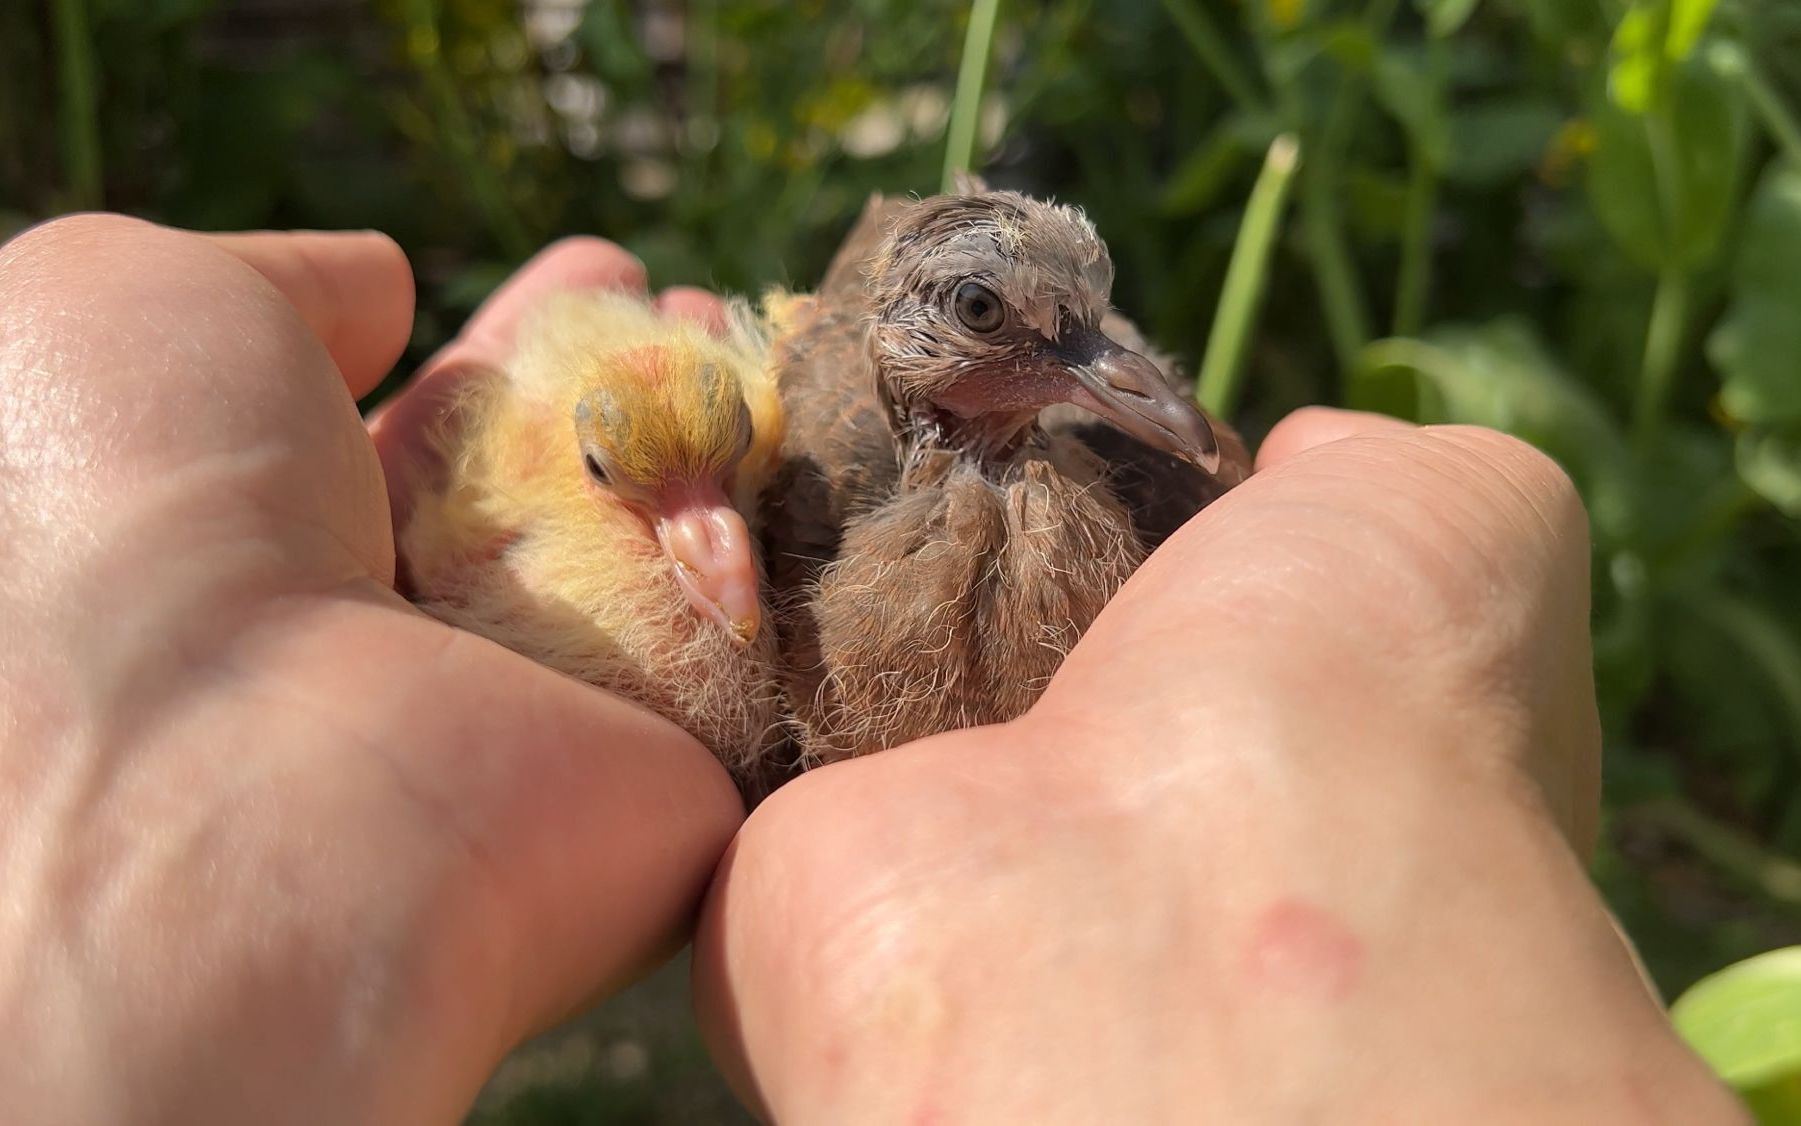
516,546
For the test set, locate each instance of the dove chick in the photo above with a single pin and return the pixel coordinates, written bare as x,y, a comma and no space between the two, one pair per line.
591,513
972,467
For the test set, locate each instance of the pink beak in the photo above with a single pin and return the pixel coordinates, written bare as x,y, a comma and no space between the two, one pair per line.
709,543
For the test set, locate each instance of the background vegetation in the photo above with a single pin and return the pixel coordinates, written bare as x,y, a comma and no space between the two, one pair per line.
1579,220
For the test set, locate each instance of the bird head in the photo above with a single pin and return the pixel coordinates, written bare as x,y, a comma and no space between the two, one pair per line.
662,429
987,310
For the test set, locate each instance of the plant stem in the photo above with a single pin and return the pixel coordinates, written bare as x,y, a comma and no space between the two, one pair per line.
1223,367
1422,204
79,109
1215,54
1416,248
1341,294
1776,114
1669,309
966,109
1747,862
1663,347
1347,320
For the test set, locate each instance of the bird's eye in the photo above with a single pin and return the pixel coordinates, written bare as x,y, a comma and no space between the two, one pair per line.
596,472
978,308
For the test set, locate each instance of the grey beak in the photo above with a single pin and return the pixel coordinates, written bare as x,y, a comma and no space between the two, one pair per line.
1127,390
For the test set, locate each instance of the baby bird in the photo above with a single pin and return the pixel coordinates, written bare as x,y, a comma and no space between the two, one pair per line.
591,516
935,550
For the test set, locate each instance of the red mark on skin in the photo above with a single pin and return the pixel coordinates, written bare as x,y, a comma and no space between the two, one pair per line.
928,1113
1299,949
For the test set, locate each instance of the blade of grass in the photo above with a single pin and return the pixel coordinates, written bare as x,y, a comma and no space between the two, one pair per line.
1669,310
1742,859
1771,107
1341,293
966,108
78,113
1247,276
1423,175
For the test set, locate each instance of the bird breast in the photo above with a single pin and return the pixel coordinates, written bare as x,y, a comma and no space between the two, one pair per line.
584,589
953,604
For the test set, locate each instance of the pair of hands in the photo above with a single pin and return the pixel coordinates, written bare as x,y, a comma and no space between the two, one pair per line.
1294,835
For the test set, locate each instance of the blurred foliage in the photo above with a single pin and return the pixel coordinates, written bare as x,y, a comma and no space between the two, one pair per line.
1578,220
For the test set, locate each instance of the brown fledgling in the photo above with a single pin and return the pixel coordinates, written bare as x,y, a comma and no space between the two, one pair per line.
590,517
935,550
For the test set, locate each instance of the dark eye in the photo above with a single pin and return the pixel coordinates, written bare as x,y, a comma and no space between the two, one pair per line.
596,472
978,308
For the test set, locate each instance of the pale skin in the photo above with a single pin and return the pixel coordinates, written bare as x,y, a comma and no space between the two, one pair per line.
1296,835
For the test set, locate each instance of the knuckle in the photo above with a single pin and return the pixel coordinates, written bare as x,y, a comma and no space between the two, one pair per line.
1517,472
82,233
602,260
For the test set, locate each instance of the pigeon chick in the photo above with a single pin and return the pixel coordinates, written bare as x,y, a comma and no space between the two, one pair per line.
590,515
935,551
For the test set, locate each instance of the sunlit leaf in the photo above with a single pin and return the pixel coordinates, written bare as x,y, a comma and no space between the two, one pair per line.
1638,65
1651,36
1745,1021
1445,17
1688,20
1770,462
1757,348
1664,184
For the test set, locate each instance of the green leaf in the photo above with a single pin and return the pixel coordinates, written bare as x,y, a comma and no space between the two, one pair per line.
1413,97
1638,66
1497,140
1688,20
1664,183
1500,375
1651,37
1445,17
1757,348
1770,462
1745,1021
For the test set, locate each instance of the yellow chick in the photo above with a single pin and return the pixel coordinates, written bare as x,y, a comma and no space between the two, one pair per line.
591,517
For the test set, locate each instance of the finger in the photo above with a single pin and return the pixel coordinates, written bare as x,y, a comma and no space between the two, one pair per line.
1315,426
581,262
693,304
401,429
353,288
1437,572
594,824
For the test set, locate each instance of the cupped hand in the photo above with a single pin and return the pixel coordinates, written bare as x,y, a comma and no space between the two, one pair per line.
1295,835
275,846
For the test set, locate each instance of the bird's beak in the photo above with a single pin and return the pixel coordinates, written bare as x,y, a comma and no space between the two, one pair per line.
709,544
1127,390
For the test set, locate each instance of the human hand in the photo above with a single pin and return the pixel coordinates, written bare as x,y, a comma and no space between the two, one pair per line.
277,847
1294,835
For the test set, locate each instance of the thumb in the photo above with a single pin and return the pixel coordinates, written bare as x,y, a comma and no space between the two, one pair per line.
1443,570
